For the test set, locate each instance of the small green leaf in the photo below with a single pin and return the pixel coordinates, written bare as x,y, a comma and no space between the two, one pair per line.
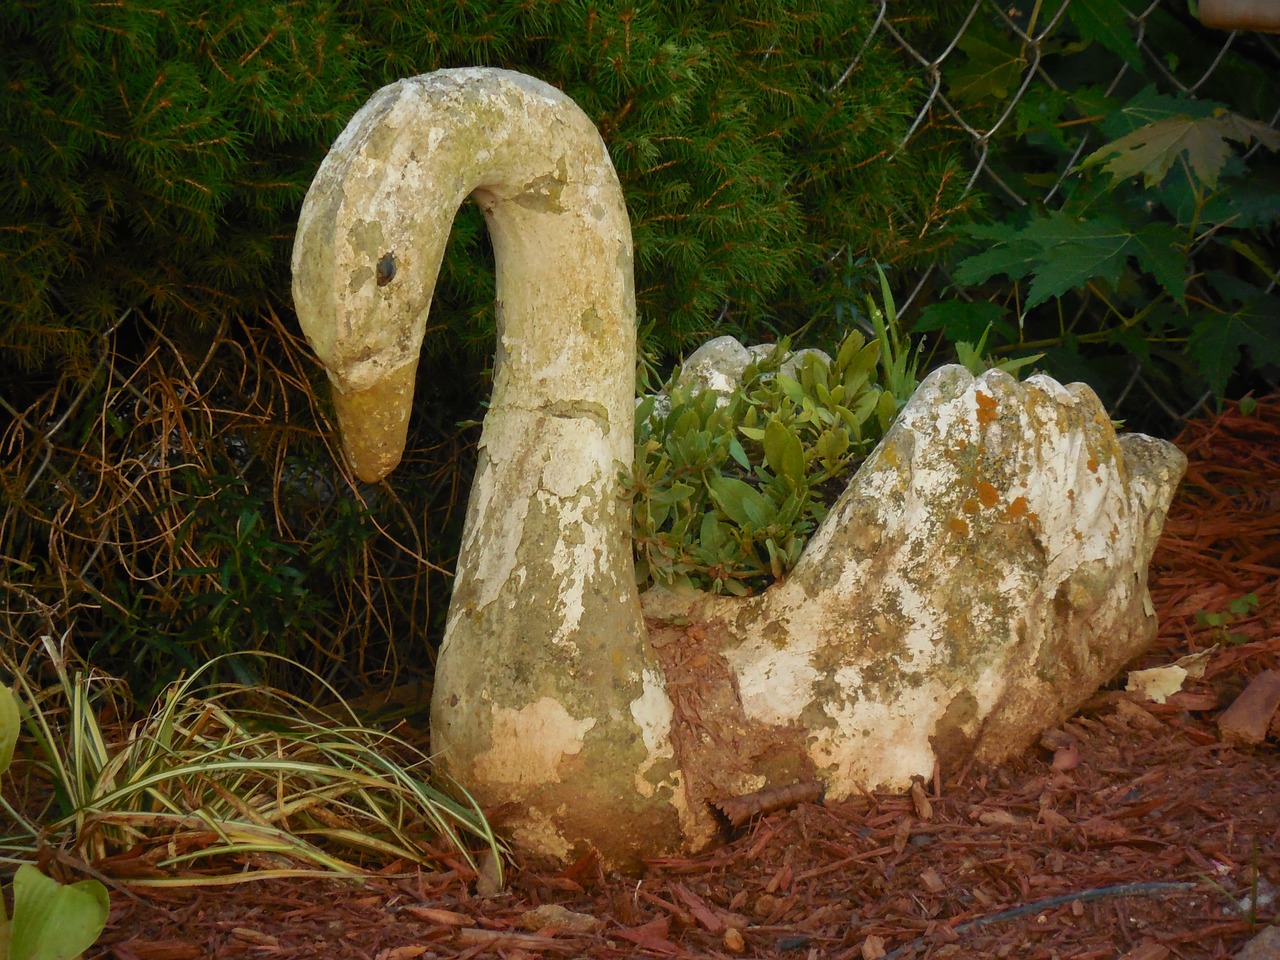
676,493
10,722
790,388
886,410
848,347
784,453
740,502
711,534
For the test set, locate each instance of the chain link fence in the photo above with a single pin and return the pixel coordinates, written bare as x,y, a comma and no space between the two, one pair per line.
987,69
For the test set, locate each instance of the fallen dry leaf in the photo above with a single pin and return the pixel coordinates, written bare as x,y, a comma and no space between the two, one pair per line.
552,916
920,801
1000,818
446,918
1159,683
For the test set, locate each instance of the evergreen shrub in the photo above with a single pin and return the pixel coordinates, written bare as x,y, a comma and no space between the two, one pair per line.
155,154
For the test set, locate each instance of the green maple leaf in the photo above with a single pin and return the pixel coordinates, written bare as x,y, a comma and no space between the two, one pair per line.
1062,253
1151,150
991,71
1107,23
1161,251
1215,342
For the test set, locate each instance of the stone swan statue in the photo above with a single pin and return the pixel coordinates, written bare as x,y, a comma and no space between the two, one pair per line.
983,573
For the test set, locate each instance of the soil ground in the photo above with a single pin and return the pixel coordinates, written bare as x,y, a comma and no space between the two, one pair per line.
1135,830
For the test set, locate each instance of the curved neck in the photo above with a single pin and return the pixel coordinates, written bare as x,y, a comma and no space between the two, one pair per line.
372,233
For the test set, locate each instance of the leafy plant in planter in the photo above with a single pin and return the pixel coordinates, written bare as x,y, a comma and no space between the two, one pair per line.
728,488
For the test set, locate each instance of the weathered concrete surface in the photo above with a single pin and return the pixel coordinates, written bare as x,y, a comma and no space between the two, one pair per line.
983,574
985,570
548,699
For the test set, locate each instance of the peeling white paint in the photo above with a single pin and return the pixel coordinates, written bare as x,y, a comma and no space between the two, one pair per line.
876,744
652,714
530,744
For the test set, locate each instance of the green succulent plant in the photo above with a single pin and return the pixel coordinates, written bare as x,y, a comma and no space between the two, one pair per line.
728,487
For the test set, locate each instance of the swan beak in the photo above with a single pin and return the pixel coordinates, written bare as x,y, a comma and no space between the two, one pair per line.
374,423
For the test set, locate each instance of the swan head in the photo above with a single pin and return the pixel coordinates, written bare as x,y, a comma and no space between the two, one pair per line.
365,261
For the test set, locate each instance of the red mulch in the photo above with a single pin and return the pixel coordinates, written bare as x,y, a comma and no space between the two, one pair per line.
1136,831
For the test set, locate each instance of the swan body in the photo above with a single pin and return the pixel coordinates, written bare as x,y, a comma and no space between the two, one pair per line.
983,573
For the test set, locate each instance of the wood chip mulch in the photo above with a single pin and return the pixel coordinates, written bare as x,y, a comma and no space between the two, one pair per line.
1137,830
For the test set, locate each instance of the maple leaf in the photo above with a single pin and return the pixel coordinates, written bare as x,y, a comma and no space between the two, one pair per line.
1151,150
1062,253
1107,23
1216,341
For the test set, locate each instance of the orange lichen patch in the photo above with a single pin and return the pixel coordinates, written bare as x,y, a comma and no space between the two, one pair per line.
970,506
987,494
1017,508
987,408
958,526
1092,464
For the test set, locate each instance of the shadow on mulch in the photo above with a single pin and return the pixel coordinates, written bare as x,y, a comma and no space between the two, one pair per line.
1134,832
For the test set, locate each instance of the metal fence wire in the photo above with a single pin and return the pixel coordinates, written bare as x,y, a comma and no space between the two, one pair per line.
1011,79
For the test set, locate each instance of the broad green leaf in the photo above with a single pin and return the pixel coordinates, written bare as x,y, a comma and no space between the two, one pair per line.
1106,22
1216,341
1151,150
52,921
1161,251
991,71
1037,114
1063,253
1073,252
959,320
1009,257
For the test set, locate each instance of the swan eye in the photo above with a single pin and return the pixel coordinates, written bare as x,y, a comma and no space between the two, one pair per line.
386,268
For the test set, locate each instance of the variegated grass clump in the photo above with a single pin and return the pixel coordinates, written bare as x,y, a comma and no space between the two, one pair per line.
216,784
